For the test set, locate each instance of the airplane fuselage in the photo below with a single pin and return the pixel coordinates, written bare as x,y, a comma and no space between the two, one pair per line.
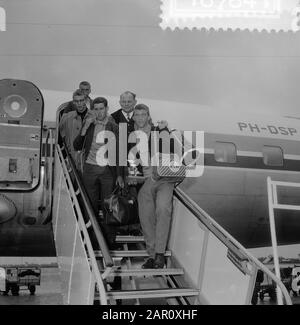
233,187
240,152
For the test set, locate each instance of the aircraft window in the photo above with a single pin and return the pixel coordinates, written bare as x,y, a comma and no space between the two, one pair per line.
225,152
273,156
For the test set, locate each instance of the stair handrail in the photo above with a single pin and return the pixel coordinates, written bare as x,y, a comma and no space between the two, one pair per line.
92,218
99,279
226,238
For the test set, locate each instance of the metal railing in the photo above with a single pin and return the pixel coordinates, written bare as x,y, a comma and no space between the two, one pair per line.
232,244
64,157
82,225
273,204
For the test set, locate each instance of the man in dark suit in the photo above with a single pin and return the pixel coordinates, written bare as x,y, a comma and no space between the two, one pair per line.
124,114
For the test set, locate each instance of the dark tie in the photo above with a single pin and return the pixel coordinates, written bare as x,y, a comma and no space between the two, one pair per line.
128,116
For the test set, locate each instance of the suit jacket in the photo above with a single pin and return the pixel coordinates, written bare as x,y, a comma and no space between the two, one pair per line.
120,118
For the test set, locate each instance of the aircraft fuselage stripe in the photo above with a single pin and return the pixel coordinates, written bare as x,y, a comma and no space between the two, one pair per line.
251,162
254,154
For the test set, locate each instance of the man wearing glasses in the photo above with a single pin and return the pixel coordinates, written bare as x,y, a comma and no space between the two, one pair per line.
85,88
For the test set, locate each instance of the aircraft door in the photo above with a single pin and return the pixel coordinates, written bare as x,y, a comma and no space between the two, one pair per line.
21,122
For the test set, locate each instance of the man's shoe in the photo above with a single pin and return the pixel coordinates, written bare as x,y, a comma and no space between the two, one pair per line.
159,261
149,264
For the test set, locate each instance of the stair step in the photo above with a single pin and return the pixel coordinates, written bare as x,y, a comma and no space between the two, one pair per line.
151,293
146,272
130,239
129,253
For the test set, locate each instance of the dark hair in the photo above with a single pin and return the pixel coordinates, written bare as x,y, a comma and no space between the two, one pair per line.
85,83
99,100
78,92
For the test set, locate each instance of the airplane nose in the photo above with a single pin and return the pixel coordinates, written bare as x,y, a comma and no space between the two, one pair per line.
7,209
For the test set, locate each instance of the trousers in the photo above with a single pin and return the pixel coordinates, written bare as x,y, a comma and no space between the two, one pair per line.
155,212
99,183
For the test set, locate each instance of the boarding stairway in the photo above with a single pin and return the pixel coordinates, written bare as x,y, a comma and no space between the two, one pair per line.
205,264
115,265
138,283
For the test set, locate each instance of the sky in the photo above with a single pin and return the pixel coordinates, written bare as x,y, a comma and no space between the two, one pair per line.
118,45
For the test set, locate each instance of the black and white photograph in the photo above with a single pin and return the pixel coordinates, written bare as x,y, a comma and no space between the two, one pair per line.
149,155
